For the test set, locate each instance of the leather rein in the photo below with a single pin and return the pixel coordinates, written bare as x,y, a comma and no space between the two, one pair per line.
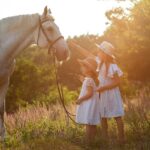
58,84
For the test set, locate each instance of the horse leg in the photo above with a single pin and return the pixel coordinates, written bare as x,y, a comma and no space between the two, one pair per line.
3,90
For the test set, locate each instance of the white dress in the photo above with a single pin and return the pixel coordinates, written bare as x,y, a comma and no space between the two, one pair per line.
88,111
111,104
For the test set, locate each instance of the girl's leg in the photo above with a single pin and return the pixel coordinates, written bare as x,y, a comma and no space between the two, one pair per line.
90,133
104,128
120,127
93,131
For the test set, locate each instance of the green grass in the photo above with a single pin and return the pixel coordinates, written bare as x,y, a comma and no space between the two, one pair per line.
47,128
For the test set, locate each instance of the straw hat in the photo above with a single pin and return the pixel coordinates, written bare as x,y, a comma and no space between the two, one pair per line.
107,48
90,63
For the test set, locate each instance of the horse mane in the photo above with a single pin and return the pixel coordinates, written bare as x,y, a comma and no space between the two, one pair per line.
10,23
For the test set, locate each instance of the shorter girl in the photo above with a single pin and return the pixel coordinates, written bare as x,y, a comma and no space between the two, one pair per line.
88,109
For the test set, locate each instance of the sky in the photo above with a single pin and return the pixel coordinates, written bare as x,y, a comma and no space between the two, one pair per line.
74,17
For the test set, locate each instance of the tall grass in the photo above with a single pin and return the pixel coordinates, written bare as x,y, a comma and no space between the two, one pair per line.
43,127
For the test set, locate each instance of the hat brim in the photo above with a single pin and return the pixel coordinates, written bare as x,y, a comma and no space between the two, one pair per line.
84,62
112,56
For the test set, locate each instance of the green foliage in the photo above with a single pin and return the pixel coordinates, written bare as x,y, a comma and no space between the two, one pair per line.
32,76
33,81
53,97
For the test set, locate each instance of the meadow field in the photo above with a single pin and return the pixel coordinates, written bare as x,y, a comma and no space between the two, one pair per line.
41,127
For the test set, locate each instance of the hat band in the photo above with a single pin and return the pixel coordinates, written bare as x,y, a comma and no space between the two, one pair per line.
108,52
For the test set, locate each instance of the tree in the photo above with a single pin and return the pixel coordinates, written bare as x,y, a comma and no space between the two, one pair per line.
130,35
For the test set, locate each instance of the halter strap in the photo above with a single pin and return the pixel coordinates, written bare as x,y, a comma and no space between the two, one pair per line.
51,43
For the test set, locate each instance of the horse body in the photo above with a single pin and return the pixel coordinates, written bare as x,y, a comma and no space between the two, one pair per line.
16,34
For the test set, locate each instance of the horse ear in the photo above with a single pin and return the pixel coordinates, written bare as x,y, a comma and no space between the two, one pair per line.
45,11
49,10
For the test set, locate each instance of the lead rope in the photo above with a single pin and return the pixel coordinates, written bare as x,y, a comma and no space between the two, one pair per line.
61,93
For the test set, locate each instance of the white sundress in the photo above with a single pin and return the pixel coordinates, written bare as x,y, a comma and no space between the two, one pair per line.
111,104
88,111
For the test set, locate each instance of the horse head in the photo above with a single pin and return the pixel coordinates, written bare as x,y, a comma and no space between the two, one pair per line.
49,36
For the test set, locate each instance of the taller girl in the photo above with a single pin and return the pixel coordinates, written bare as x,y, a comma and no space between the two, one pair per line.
111,105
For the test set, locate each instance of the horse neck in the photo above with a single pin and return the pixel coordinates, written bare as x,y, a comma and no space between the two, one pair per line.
16,33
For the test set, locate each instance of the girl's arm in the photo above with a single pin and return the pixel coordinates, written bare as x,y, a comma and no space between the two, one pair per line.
115,83
80,78
81,50
88,94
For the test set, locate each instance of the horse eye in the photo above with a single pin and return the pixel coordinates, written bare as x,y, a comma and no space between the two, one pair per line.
50,28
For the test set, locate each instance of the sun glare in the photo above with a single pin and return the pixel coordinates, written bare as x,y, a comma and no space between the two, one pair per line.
74,17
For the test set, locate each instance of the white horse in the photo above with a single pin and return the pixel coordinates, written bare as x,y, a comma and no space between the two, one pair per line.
17,33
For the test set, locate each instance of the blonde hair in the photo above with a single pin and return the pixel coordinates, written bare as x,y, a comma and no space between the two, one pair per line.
109,60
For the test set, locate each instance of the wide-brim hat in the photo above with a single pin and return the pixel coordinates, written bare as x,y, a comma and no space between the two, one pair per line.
90,63
107,48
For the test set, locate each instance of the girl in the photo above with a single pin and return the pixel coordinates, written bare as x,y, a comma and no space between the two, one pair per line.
87,112
111,105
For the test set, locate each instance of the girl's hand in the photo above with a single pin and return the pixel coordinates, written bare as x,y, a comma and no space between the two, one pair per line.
101,89
78,101
80,78
88,94
115,83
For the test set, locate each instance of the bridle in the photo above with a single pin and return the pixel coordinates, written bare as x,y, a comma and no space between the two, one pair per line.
52,50
51,43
